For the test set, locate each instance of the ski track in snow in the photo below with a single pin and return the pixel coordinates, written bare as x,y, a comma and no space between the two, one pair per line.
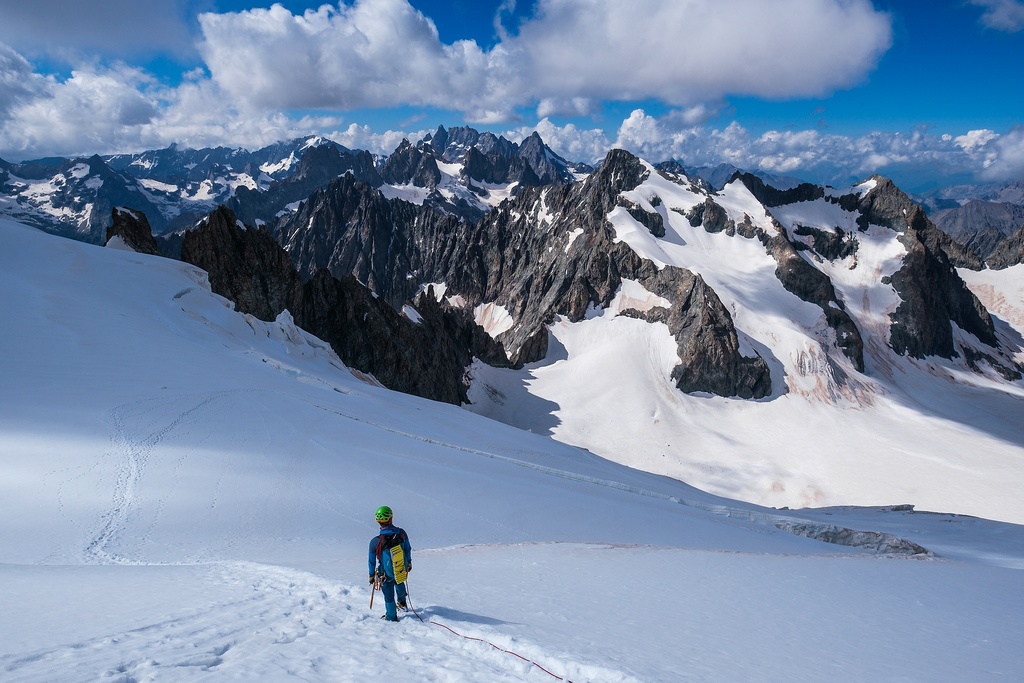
135,455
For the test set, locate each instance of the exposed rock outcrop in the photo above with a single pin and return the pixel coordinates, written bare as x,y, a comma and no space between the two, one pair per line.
426,356
932,292
412,165
810,284
797,275
132,227
770,196
246,265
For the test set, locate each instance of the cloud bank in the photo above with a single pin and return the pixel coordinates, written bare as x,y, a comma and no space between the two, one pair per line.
383,53
918,158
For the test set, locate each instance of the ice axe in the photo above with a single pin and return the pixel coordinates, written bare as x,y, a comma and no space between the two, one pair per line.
376,585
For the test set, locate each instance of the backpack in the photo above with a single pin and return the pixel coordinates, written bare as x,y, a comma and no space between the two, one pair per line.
392,543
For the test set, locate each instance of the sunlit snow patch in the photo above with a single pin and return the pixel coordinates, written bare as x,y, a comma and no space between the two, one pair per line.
635,297
494,318
412,314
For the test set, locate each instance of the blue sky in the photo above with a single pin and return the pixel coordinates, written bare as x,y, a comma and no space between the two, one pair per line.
929,93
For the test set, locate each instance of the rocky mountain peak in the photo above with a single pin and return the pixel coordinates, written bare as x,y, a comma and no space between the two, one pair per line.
412,165
770,196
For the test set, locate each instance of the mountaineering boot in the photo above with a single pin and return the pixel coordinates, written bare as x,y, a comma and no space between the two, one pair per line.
388,617
402,606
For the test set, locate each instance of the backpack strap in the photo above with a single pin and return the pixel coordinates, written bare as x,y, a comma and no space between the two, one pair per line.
391,542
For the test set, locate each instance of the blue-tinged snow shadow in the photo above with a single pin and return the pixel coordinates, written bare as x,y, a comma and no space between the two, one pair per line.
458,615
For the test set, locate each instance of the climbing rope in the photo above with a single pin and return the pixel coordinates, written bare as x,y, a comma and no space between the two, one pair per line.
408,598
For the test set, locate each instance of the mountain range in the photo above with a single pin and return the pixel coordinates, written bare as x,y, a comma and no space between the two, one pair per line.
471,270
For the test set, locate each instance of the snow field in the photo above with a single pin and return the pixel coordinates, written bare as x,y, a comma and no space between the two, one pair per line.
187,495
583,612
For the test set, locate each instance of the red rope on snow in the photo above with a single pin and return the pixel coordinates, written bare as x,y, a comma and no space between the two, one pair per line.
481,640
514,654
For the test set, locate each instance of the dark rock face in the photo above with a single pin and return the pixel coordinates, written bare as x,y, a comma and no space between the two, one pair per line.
409,164
708,345
712,216
497,168
133,229
245,265
542,160
652,221
769,196
810,284
493,159
453,144
350,229
1010,251
933,294
427,358
833,245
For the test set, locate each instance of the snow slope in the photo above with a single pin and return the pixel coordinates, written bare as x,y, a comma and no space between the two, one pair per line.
187,495
927,432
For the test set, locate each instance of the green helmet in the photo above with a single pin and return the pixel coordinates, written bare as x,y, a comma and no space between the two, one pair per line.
383,514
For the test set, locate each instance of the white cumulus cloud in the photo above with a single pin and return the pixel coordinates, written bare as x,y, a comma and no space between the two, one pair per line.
375,53
1006,159
379,53
696,51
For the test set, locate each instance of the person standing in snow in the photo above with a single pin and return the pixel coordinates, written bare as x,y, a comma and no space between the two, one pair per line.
390,561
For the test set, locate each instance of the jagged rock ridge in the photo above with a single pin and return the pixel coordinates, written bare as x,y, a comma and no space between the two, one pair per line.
426,356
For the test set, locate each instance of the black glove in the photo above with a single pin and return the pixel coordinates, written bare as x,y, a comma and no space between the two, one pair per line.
371,578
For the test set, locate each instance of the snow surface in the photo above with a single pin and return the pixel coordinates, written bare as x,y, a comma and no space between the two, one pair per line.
187,495
452,189
494,318
931,433
1000,291
409,193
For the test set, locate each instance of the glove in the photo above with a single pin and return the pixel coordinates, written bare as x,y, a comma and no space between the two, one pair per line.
371,579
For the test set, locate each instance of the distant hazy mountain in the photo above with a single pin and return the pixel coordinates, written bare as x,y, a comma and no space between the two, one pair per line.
1011,192
981,226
